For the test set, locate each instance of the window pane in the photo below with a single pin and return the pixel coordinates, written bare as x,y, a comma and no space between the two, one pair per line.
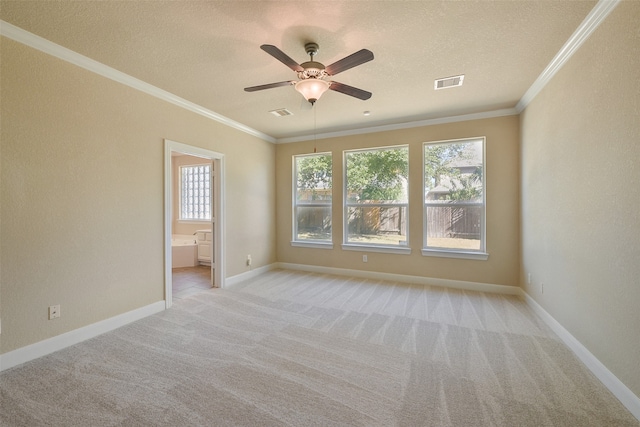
454,227
453,171
377,225
312,181
379,176
313,223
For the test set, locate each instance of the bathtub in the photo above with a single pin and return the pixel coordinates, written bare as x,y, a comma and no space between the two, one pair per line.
184,251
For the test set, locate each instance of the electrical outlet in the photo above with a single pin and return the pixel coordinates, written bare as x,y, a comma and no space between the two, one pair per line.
54,312
364,258
542,288
249,260
529,279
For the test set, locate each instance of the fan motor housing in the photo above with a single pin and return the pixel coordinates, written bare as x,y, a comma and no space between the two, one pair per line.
311,48
312,70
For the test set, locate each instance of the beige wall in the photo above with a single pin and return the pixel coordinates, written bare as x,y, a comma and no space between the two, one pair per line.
581,195
82,194
501,268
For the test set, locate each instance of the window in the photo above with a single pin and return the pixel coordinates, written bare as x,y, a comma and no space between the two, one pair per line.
454,198
195,193
376,197
312,198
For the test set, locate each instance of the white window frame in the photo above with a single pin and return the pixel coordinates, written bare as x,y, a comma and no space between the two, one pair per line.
372,247
308,243
181,198
477,254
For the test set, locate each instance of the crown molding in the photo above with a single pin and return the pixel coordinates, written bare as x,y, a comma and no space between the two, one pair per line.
407,125
597,15
29,39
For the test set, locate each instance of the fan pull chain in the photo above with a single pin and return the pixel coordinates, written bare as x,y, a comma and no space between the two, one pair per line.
314,128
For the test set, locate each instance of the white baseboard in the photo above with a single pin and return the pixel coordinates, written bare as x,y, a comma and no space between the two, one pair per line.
230,281
615,386
50,345
418,280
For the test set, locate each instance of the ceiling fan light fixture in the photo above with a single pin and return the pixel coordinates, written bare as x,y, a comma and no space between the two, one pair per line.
312,89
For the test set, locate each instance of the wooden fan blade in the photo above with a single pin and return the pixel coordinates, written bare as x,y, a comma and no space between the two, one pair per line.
282,57
268,86
350,90
360,57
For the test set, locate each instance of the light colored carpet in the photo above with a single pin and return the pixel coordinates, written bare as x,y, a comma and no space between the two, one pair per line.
300,349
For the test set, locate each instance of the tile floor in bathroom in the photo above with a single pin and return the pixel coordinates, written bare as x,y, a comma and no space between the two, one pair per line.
187,281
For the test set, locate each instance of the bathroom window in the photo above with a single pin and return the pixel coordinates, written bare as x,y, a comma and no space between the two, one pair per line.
195,193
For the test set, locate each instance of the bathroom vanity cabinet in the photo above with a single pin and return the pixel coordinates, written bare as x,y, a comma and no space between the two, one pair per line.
205,245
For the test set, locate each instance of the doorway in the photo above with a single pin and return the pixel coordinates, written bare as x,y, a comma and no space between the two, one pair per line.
213,268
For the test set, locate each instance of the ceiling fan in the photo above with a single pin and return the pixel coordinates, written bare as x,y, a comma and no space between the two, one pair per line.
311,81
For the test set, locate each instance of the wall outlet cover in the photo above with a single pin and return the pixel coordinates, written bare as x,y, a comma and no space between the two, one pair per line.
54,312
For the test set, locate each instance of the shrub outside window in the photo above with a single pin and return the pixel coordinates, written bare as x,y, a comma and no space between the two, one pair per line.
312,198
376,197
195,193
454,196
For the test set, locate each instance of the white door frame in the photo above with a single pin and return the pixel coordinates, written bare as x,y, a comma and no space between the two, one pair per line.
218,213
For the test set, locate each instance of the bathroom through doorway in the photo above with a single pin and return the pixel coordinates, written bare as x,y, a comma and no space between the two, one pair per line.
194,189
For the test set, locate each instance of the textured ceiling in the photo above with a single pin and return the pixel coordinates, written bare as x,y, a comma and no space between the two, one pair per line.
208,51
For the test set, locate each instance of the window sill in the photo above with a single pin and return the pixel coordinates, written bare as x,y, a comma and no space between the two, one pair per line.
317,245
405,250
443,253
195,221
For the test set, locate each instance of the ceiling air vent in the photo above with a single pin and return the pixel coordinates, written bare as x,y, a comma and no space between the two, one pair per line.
448,82
281,112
